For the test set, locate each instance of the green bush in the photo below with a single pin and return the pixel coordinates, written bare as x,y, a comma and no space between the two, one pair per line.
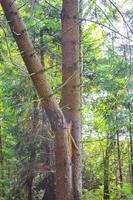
93,194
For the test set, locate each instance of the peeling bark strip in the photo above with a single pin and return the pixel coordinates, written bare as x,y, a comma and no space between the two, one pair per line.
71,91
58,123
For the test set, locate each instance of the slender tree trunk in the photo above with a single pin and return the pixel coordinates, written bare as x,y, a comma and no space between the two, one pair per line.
81,36
115,168
119,159
109,148
106,175
131,145
1,166
131,150
32,153
71,84
55,115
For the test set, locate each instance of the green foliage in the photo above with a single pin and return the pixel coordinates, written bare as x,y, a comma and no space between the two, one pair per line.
107,95
93,195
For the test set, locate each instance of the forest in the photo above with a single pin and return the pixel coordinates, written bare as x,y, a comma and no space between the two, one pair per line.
66,100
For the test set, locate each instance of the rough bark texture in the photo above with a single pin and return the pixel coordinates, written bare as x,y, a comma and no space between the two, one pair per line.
56,117
71,83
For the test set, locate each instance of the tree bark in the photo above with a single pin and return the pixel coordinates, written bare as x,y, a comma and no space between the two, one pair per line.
106,175
32,153
2,189
119,160
49,187
131,145
131,153
109,148
55,115
70,100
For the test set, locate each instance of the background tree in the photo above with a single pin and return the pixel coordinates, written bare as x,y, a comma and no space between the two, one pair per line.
106,110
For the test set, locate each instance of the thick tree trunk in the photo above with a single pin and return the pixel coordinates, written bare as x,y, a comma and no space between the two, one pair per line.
71,84
55,115
119,159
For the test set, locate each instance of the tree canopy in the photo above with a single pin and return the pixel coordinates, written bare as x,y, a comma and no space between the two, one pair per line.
104,78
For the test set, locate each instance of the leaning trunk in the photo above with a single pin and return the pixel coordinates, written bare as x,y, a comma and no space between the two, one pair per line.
55,115
70,101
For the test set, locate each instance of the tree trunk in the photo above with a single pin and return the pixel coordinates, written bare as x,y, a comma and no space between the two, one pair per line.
2,189
49,187
70,100
131,145
81,37
119,159
32,153
106,175
55,115
109,148
131,150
